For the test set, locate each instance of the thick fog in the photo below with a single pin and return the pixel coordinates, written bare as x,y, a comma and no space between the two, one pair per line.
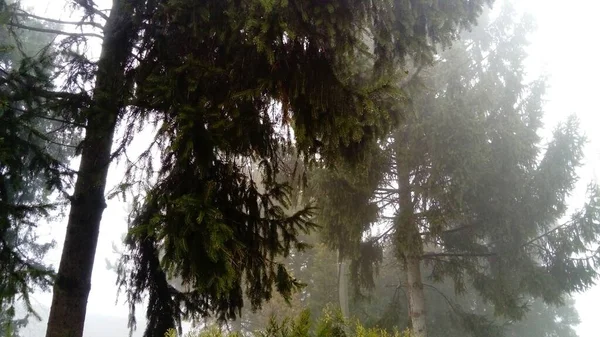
563,48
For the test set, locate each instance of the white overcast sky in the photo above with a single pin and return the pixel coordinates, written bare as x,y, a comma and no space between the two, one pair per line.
564,47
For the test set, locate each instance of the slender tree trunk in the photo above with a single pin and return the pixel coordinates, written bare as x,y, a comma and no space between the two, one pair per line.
410,242
73,283
343,287
416,297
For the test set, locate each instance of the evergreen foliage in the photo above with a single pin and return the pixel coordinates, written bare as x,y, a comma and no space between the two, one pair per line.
220,80
317,269
383,305
457,315
34,145
469,188
330,324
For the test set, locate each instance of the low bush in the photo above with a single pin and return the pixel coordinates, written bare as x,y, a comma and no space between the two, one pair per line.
331,324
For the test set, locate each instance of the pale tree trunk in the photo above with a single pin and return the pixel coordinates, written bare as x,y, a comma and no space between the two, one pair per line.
343,280
236,325
416,297
73,282
410,242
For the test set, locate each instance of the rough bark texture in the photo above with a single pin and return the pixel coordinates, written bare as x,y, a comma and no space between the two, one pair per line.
73,283
411,245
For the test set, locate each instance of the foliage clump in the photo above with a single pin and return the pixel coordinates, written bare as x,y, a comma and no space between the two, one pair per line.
36,141
330,324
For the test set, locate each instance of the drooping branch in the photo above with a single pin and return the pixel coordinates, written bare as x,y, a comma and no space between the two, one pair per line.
451,304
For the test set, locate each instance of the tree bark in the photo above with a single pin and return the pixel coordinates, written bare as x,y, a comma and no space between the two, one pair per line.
343,287
410,242
416,297
73,282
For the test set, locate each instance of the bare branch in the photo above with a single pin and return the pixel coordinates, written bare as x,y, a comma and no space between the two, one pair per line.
53,31
78,23
89,7
564,225
51,118
386,190
382,235
448,301
427,255
408,78
457,229
61,121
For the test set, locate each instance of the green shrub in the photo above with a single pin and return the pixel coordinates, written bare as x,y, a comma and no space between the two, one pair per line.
330,324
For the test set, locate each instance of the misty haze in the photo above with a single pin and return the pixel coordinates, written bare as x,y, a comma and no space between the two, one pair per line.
299,168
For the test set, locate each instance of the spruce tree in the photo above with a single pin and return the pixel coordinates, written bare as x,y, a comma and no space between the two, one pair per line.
210,75
35,143
454,315
468,189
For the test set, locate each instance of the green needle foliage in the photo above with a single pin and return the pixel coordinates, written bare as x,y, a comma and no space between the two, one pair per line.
384,306
457,315
467,185
329,324
35,143
222,79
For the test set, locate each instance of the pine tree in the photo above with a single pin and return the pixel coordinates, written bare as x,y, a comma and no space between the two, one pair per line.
468,189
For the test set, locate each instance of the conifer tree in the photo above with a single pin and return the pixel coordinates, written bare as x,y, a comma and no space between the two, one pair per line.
384,304
468,189
455,315
35,143
209,74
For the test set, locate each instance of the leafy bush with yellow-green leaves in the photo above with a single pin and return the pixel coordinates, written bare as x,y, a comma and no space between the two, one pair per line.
331,324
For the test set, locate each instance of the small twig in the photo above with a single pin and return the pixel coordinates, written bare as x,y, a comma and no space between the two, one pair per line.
61,121
90,8
406,80
427,255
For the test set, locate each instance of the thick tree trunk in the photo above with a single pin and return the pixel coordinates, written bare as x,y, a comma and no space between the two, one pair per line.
410,243
73,283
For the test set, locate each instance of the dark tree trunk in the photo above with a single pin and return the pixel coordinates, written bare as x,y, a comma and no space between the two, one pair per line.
73,283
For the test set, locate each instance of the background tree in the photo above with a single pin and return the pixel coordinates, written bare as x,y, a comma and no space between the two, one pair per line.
384,304
317,268
468,189
35,144
450,314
